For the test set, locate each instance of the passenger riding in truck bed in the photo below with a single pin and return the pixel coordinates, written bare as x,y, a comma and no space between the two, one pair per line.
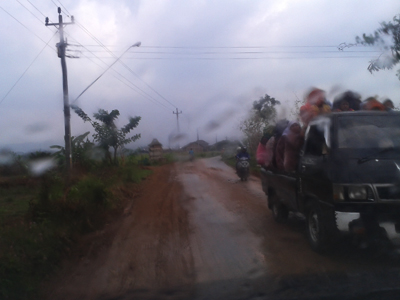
341,170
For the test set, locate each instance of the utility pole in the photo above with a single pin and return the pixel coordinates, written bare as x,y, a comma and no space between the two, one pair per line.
177,113
67,115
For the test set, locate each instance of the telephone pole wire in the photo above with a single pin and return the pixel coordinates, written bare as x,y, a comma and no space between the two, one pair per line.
67,114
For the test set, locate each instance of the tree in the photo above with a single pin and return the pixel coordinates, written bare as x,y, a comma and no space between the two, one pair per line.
262,115
107,134
388,37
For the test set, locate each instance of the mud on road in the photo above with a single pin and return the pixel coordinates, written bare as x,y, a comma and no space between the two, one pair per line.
197,232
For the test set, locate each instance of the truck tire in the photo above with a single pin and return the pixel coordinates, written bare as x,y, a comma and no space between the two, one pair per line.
320,227
279,211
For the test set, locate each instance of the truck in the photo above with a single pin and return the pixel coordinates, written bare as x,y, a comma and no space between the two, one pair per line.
347,178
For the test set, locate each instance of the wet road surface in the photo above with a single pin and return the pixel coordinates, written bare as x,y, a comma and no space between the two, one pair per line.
198,232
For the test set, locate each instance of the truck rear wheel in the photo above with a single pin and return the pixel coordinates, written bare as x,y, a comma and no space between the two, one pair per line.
319,229
279,212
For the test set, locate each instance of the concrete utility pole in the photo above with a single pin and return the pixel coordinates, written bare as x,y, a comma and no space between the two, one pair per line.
67,115
177,113
177,120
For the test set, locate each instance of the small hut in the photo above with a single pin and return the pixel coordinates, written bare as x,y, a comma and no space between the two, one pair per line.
155,150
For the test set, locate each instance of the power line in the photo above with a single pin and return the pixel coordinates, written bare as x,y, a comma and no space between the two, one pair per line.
236,52
37,9
23,25
40,20
129,69
64,7
232,47
9,91
30,12
128,83
242,58
136,45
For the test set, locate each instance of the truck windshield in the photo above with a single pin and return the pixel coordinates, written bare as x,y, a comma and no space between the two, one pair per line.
367,133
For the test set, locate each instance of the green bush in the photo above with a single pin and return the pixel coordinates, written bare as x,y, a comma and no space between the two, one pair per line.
89,192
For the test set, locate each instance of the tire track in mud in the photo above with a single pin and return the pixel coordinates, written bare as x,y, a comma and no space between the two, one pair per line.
147,254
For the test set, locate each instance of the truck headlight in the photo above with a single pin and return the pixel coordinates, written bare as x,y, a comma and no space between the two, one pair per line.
352,192
357,192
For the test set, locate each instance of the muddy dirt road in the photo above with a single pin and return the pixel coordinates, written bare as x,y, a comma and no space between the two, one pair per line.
197,232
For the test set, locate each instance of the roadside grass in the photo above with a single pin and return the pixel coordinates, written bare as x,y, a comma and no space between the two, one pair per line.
14,201
41,222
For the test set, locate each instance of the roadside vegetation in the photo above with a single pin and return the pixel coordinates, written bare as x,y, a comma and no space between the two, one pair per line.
43,215
44,210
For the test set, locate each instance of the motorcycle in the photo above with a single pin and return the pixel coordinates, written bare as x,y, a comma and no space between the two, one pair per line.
243,168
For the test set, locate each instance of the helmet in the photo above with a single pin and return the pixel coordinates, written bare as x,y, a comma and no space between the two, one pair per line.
244,149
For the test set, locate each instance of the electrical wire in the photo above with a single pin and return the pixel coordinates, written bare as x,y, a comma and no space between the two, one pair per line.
41,21
130,85
230,47
23,25
36,8
129,69
65,9
137,76
9,91
238,58
236,52
30,11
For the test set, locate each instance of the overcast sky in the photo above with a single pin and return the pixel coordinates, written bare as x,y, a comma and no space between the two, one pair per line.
209,59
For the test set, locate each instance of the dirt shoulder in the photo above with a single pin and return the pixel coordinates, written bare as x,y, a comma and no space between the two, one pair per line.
144,252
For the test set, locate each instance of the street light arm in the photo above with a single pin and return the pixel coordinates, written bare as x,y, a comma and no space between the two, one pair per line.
134,45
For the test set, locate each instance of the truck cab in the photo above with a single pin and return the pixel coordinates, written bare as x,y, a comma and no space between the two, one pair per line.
347,179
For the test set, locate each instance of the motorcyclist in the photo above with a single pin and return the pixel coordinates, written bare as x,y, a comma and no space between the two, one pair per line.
241,154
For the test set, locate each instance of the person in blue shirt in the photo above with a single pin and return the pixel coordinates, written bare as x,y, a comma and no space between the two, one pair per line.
191,154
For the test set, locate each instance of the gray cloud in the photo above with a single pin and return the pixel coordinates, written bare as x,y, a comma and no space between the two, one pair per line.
214,87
